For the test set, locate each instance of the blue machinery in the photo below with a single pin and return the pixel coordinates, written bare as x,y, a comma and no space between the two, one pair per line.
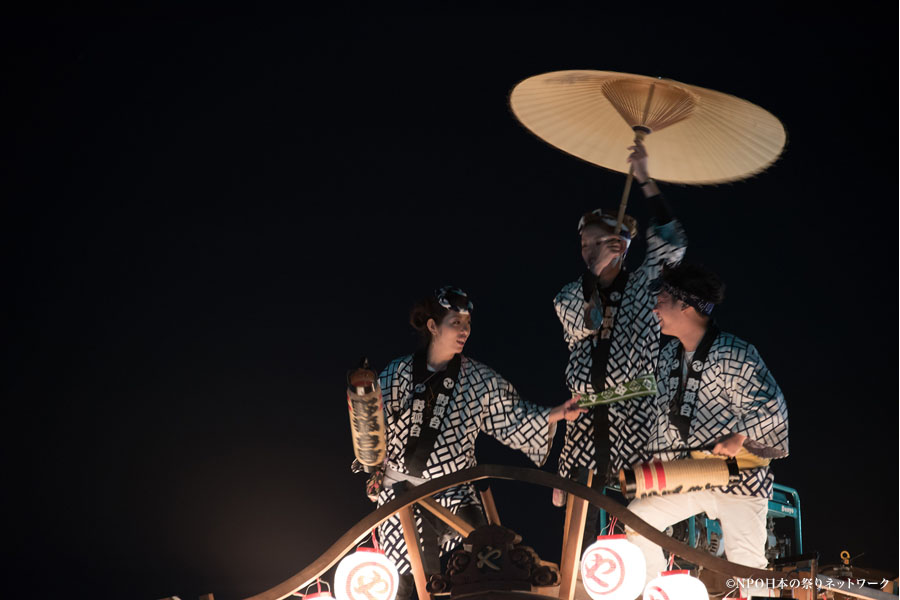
785,503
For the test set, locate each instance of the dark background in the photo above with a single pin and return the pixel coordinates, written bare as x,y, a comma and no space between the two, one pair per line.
209,219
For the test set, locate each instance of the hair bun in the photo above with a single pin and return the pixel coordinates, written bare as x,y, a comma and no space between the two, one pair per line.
423,310
418,317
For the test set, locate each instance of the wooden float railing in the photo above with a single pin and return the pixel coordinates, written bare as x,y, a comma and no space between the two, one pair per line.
579,495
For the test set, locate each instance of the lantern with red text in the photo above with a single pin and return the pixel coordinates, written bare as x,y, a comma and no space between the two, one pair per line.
612,568
675,585
367,574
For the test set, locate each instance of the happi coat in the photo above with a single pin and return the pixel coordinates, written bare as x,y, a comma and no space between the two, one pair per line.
736,394
633,352
482,400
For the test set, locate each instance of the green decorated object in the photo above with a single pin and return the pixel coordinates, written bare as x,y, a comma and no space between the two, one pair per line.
645,385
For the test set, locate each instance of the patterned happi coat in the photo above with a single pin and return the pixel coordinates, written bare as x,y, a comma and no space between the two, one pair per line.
481,401
633,352
736,394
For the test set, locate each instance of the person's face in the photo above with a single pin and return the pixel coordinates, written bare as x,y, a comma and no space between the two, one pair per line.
596,241
669,311
452,333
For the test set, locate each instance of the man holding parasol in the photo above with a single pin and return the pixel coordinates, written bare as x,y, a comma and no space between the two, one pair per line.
612,334
699,137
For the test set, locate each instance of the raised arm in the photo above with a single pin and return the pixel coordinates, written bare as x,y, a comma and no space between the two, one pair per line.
666,241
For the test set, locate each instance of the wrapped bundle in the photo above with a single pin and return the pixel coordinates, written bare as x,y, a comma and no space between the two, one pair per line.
676,476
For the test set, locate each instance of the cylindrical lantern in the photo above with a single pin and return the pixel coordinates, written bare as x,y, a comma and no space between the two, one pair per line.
318,595
612,568
675,585
366,416
367,574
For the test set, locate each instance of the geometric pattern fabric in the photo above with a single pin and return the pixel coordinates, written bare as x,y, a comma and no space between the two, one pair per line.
481,401
736,394
633,352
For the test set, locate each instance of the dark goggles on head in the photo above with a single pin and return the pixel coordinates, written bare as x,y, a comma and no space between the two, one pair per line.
453,298
704,307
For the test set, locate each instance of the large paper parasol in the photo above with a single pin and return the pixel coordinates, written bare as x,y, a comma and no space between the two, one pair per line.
694,135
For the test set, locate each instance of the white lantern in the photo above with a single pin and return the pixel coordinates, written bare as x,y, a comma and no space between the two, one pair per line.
612,568
675,585
367,574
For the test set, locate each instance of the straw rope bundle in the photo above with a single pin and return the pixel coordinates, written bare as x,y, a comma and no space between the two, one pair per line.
675,476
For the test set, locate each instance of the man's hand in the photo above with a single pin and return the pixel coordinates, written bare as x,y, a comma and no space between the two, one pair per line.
610,249
729,445
638,161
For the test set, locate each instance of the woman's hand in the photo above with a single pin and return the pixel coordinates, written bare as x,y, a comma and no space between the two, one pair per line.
568,410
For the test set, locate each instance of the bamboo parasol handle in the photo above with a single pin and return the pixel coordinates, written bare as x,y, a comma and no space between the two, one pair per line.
639,135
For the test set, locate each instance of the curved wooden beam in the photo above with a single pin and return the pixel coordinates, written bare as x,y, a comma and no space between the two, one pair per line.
359,531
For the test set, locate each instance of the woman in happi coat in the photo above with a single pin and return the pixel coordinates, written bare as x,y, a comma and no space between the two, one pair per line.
436,401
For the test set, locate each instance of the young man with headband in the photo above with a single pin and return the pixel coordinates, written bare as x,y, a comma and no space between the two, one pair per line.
715,392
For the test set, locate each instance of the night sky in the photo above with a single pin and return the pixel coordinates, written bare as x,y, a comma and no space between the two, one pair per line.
209,219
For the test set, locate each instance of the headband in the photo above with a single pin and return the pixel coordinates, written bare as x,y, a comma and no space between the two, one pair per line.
704,307
453,298
627,230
